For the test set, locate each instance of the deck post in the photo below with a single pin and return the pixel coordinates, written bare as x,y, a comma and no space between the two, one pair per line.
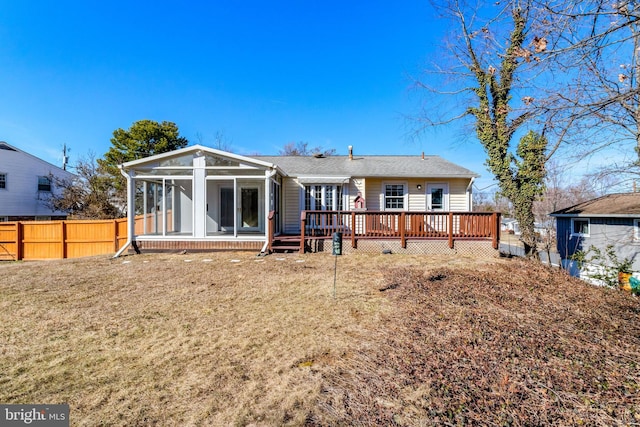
496,230
303,226
450,230
353,230
271,225
403,225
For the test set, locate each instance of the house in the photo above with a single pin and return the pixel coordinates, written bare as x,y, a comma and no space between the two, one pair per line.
611,220
202,198
26,184
510,225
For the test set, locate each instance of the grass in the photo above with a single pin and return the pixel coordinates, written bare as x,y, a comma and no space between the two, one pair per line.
231,339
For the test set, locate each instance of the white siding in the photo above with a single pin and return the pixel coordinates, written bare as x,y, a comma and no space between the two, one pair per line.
21,196
458,198
373,187
418,197
355,185
291,205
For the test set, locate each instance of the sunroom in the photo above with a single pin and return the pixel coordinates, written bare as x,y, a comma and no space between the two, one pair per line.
199,194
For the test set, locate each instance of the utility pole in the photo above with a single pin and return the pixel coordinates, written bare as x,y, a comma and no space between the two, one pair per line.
65,158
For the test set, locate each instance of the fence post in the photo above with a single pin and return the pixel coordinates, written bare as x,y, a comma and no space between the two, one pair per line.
63,237
450,230
19,249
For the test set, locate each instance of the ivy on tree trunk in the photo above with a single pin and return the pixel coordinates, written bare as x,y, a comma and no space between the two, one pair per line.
521,178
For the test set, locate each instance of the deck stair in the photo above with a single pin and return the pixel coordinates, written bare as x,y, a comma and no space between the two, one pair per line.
286,244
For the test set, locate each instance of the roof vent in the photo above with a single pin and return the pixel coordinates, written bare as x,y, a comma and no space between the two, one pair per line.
318,155
351,152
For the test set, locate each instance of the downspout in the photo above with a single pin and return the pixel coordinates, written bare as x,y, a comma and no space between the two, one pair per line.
130,215
470,194
267,183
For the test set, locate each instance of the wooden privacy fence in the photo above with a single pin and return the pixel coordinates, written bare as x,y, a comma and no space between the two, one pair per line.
33,240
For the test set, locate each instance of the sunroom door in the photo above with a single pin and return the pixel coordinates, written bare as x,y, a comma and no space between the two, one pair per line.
250,208
226,208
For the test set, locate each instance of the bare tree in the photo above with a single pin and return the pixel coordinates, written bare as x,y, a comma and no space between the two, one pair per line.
302,149
490,65
592,100
220,141
88,195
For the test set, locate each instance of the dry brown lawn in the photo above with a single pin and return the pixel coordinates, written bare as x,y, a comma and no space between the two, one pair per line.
232,339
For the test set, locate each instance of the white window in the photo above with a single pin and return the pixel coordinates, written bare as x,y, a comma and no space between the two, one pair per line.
3,181
580,227
44,183
323,197
394,196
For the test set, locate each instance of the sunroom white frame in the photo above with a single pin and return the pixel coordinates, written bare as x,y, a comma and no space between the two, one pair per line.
240,170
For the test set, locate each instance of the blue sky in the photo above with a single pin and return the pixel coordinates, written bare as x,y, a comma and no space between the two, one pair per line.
264,74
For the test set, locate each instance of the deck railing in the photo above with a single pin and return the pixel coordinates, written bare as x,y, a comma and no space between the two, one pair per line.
404,226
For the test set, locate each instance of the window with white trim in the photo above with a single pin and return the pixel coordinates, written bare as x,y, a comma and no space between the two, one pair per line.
395,196
580,227
44,183
3,181
323,197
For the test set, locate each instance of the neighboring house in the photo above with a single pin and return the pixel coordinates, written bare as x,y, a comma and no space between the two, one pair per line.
510,225
202,198
25,185
609,220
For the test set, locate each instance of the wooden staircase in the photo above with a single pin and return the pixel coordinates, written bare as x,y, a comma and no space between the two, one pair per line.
286,244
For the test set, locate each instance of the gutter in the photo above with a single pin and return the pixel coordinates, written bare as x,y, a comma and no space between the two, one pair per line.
129,219
273,173
470,193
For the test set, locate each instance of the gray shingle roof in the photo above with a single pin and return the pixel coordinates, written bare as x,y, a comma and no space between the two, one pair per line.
370,166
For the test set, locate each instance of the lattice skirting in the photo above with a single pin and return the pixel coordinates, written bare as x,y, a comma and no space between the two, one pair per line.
159,245
480,248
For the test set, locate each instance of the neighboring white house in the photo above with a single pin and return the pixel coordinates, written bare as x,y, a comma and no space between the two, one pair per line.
198,197
25,185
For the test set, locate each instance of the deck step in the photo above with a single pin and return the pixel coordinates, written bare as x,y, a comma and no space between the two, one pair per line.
286,244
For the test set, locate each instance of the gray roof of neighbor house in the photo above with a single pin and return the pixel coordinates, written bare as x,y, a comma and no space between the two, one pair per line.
612,205
370,166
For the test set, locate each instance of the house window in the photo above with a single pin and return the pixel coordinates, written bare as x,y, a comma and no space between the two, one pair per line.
323,197
394,196
42,218
44,183
4,219
636,230
580,227
3,180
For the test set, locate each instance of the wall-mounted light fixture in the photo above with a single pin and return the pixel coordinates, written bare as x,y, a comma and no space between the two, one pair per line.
419,186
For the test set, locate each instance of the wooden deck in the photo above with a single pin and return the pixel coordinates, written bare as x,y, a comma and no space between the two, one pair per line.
402,226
